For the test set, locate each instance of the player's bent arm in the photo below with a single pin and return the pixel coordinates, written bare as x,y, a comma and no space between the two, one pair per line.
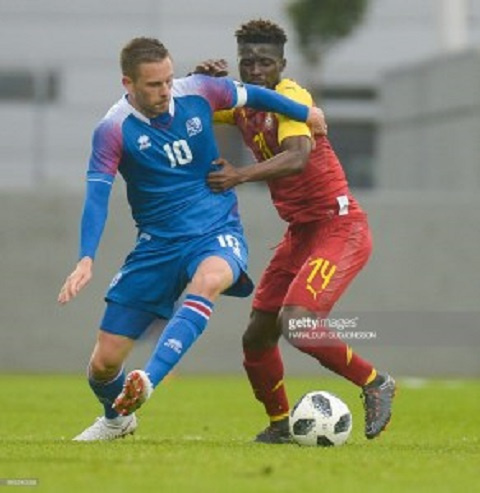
291,161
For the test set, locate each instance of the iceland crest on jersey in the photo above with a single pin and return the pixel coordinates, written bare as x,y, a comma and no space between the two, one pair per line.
194,126
144,142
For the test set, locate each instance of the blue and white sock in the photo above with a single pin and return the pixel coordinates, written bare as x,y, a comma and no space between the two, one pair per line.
107,392
181,332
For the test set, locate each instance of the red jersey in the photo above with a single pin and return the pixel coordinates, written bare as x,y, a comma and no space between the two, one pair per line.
321,190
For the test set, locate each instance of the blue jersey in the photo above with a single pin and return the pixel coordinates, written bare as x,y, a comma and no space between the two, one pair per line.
165,161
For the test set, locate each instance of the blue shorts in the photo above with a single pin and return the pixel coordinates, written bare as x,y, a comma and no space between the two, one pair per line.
157,271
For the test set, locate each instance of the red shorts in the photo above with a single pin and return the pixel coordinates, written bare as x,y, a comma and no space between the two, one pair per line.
314,264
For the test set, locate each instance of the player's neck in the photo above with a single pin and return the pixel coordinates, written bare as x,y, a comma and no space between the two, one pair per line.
161,118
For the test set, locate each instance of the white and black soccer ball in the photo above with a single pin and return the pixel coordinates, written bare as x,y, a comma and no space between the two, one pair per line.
320,418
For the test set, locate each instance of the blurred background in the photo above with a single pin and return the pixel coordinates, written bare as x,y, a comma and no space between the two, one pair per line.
399,81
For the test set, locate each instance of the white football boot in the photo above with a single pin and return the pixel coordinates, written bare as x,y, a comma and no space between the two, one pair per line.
136,390
108,429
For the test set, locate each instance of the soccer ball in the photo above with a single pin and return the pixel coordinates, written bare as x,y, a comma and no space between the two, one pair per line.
320,418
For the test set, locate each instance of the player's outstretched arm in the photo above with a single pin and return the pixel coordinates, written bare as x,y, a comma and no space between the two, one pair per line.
219,92
264,99
93,223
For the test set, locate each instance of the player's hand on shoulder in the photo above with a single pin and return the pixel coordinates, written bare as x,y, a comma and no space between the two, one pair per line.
76,281
225,178
213,67
316,120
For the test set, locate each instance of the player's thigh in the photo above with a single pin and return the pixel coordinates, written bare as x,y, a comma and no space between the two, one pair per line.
151,279
126,321
331,266
276,279
217,263
212,276
263,330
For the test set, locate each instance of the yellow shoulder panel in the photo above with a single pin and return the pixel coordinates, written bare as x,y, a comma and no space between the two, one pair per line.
286,126
224,116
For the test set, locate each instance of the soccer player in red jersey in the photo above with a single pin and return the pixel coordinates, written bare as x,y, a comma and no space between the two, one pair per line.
326,244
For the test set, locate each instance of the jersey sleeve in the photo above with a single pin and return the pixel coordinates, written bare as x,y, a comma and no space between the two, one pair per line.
220,92
94,217
102,168
286,126
106,148
225,93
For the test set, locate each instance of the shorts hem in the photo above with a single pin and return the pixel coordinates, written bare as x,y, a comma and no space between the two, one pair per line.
266,308
133,337
146,307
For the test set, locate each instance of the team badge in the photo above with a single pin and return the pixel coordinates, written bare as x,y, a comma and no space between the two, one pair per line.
194,126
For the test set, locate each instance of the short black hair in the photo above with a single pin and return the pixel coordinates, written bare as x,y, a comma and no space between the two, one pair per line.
261,31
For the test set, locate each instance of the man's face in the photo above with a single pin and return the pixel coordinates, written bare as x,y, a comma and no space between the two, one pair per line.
151,89
260,63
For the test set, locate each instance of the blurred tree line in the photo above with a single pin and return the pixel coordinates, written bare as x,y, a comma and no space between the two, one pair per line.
321,23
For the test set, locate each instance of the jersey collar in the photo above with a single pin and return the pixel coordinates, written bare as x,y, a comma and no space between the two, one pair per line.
145,119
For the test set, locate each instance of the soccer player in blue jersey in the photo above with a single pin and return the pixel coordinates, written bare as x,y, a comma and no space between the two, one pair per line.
159,137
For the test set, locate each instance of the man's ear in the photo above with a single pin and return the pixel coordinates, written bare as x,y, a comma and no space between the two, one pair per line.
127,83
283,64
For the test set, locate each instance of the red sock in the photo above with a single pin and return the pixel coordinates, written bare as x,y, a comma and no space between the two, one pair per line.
264,368
337,356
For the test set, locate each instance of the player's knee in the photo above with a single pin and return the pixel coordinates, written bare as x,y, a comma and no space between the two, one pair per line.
261,335
251,340
103,369
209,284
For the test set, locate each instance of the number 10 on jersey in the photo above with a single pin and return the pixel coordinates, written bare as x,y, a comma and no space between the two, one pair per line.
178,153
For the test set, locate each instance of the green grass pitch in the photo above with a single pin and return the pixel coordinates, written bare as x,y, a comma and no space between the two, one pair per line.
195,436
